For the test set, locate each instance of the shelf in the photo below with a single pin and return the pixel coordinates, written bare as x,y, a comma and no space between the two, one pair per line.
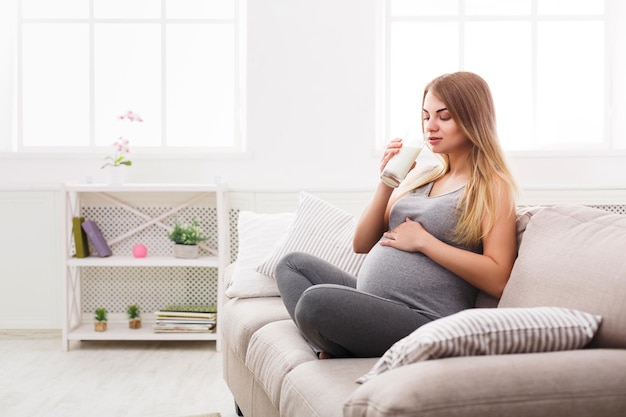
120,331
99,188
203,261
130,212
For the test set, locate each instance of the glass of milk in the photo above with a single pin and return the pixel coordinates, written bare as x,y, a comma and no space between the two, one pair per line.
399,165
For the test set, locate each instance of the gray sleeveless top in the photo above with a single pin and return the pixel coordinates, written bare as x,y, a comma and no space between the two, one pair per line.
412,278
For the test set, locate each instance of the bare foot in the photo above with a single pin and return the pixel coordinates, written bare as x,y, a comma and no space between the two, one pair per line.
324,355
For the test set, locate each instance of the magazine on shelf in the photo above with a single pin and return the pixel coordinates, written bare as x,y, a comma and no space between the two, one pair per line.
186,319
181,314
205,326
167,320
184,329
191,308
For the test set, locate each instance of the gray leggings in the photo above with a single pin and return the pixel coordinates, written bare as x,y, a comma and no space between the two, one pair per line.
334,316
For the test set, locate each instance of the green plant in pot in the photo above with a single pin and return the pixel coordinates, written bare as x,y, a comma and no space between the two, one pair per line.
134,317
101,319
186,237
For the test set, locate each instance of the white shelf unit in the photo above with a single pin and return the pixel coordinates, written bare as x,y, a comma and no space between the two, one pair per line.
140,213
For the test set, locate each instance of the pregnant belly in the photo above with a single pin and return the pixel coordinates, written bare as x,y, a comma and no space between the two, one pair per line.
415,280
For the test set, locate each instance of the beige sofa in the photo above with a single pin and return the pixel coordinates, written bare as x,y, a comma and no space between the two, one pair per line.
569,256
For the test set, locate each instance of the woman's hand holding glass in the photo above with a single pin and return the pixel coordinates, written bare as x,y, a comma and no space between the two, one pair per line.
399,157
393,147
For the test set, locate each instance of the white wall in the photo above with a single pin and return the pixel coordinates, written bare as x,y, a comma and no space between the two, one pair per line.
310,114
311,71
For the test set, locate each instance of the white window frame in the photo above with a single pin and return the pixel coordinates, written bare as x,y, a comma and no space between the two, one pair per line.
17,148
615,87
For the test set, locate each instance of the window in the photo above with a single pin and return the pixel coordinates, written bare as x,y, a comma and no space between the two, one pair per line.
548,63
83,63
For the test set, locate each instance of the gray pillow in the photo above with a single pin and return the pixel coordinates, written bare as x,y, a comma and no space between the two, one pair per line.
489,331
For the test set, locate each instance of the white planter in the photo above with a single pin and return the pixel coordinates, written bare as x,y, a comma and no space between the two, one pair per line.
116,175
186,251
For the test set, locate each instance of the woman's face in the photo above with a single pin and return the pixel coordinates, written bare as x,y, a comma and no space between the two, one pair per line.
441,131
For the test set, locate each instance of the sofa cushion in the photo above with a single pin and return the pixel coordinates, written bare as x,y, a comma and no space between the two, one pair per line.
257,234
320,388
274,351
491,332
320,229
574,383
524,214
241,317
573,256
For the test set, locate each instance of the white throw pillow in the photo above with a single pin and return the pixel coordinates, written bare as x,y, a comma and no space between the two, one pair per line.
319,229
258,233
491,331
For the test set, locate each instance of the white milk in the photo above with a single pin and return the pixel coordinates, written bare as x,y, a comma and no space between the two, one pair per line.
398,167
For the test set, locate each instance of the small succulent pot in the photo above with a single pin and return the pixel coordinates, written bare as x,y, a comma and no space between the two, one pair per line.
186,251
134,317
186,238
100,326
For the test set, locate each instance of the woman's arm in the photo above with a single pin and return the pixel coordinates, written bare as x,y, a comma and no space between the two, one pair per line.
375,218
374,221
489,271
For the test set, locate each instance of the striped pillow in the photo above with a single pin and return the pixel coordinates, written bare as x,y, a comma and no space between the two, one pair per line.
319,229
491,331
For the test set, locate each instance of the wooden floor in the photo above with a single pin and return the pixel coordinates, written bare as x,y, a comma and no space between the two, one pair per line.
109,379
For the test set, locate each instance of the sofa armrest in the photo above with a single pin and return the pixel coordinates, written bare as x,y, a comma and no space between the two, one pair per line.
571,383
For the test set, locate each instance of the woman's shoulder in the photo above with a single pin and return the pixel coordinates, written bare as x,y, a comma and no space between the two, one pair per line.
503,194
503,187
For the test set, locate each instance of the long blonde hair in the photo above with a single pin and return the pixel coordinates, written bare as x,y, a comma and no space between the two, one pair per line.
470,103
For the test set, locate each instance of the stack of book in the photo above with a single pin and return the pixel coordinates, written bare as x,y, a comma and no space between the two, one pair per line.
81,230
186,319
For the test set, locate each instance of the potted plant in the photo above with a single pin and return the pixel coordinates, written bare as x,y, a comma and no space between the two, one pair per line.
134,317
101,319
186,238
116,164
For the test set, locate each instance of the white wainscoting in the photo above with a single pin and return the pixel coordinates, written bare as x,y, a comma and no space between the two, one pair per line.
30,267
589,196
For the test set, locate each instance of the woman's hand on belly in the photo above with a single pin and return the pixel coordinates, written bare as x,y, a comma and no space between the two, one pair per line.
409,236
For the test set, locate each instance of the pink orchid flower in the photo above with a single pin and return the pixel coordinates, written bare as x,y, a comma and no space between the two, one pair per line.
132,116
121,145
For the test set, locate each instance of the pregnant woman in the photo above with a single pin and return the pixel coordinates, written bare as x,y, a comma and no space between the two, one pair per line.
443,234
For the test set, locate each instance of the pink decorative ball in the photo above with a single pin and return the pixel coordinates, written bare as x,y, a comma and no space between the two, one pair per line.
140,251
